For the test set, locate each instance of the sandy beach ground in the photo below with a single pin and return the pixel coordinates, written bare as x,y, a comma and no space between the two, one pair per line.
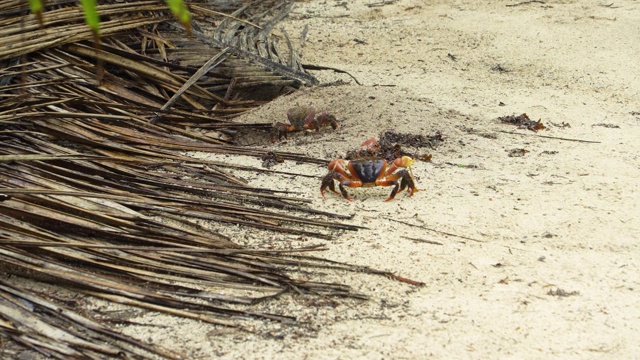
528,243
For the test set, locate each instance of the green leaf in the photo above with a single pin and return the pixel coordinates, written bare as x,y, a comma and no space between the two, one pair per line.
90,15
36,7
179,9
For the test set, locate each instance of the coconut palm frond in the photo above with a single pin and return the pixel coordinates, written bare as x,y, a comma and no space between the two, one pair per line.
97,193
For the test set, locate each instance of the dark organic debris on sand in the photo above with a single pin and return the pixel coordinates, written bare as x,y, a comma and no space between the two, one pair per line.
517,152
393,145
522,121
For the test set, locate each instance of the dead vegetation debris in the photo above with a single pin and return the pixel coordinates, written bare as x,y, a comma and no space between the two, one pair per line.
562,293
610,126
562,125
270,159
522,121
392,145
517,152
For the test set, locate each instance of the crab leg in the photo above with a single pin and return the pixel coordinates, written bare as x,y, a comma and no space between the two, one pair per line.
343,181
392,180
323,119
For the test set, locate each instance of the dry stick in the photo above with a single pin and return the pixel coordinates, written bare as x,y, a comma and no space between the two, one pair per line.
332,264
525,2
271,65
434,230
423,240
204,69
319,67
22,244
550,137
81,320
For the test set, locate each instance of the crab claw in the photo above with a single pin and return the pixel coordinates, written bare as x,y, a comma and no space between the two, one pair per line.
327,182
404,162
324,118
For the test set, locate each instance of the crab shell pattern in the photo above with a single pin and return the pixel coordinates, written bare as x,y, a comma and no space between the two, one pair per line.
370,172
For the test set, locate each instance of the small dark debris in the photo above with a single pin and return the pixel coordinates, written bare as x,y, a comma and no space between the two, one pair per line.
382,3
542,258
610,126
562,293
525,2
343,4
339,82
360,41
498,265
522,121
469,166
431,141
548,235
4,197
504,281
548,152
425,157
517,152
271,158
499,68
562,125
635,113
488,136
320,303
501,104
452,57
384,304
468,130
390,146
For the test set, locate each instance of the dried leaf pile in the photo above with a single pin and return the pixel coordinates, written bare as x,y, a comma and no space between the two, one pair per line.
96,190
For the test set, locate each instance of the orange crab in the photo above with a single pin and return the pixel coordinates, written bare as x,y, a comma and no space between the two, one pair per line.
369,172
302,118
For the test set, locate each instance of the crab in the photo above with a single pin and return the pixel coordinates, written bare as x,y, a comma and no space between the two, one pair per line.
302,118
369,172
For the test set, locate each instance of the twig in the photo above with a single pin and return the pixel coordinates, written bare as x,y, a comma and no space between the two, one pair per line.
332,264
269,64
423,240
526,2
382,3
319,67
24,244
434,230
405,280
550,137
204,69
